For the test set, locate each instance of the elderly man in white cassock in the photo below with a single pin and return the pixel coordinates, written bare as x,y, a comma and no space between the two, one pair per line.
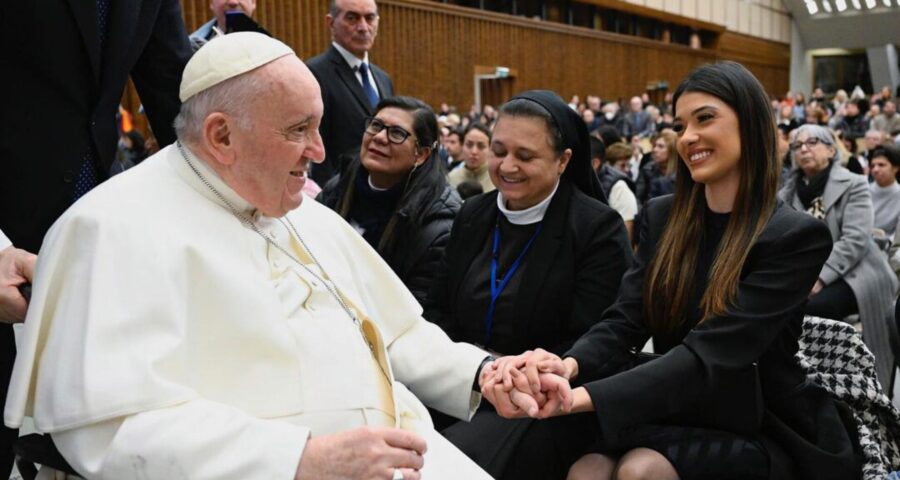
197,318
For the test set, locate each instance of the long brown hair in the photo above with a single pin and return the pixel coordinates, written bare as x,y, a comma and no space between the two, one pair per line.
670,275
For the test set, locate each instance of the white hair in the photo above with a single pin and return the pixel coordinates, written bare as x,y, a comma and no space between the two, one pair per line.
233,97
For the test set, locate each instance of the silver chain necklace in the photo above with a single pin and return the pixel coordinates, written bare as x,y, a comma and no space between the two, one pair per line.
286,222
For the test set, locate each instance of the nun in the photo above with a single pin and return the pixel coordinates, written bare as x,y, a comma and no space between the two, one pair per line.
532,263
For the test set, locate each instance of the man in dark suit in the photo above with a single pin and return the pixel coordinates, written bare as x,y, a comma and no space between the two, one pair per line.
351,86
65,68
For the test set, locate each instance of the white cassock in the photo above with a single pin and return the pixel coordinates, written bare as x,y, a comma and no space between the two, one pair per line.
165,339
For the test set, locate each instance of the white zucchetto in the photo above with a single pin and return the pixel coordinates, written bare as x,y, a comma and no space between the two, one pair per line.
228,56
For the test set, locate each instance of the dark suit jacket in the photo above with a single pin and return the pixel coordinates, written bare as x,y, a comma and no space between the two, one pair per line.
572,274
346,109
762,326
62,95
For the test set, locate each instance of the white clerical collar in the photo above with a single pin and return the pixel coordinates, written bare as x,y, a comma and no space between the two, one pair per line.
350,58
529,215
215,181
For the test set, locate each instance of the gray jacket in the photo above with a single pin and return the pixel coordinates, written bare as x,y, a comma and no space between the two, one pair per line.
856,259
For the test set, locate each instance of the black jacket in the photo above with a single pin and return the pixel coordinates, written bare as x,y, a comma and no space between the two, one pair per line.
572,275
416,255
763,326
346,109
609,176
63,93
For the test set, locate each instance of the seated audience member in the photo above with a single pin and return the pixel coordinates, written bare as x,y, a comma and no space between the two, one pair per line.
637,122
244,331
617,186
395,194
872,140
885,167
889,121
816,115
719,283
590,119
469,189
852,124
453,143
849,156
532,264
856,277
786,116
618,156
658,177
476,142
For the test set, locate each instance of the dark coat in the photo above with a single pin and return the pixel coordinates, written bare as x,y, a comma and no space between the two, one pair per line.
346,109
416,256
572,275
763,327
63,96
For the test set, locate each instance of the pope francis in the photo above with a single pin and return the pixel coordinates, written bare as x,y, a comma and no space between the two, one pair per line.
197,318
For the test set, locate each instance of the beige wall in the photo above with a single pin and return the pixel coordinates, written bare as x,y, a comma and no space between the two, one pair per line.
767,19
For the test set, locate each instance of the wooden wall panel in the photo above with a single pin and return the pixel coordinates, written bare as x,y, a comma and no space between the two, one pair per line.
431,50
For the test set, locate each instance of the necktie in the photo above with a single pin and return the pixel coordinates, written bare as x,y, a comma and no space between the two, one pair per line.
371,93
87,172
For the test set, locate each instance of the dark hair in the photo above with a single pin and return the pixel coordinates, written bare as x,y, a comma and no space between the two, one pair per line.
457,132
477,126
890,153
609,134
598,149
670,275
520,107
424,184
425,125
566,130
469,188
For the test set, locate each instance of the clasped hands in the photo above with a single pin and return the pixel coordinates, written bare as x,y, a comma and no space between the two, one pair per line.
534,384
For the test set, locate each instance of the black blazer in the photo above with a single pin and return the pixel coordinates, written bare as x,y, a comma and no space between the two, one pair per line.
763,326
62,96
572,274
346,108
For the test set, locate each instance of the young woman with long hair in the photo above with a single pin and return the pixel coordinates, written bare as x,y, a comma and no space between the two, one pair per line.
722,273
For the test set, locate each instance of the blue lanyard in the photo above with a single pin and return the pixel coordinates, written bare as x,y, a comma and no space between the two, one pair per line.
496,288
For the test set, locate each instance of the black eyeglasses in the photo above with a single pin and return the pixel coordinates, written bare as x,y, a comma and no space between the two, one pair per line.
810,143
395,134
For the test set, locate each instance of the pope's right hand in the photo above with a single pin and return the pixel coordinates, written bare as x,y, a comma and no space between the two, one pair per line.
365,452
16,268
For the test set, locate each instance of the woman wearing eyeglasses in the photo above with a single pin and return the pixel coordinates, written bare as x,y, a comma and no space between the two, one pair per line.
856,277
396,193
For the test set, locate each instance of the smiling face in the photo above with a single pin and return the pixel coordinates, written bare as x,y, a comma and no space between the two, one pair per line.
270,159
708,140
389,163
523,164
